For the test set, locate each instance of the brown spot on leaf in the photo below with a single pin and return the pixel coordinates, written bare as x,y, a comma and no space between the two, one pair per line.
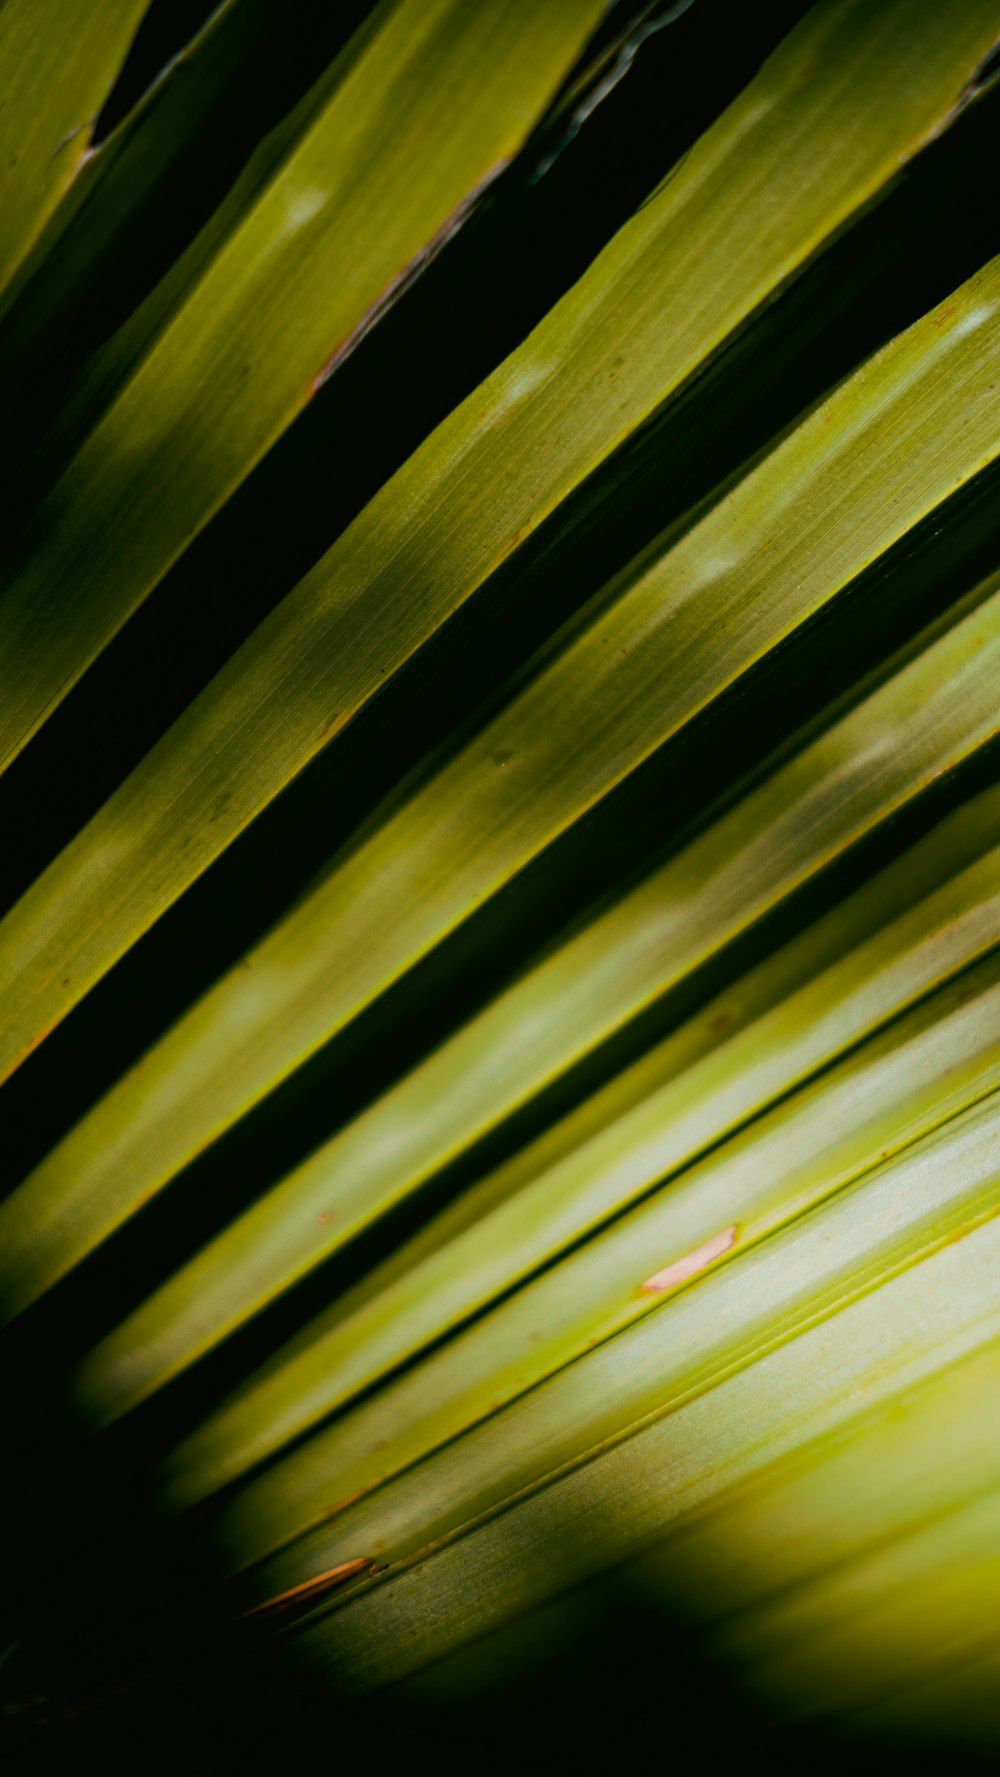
691,1263
406,276
309,1590
341,1505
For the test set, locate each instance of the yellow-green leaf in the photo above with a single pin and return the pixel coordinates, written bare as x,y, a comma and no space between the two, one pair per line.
812,141
320,961
682,1110
378,180
942,1057
451,1576
58,66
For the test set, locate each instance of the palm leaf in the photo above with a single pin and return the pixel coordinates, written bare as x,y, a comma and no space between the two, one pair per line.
894,1336
53,103
306,672
143,458
574,1175
529,777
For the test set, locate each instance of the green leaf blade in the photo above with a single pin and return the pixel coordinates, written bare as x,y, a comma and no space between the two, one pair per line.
463,1567
367,192
58,70
602,362
596,1178
897,1088
936,711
